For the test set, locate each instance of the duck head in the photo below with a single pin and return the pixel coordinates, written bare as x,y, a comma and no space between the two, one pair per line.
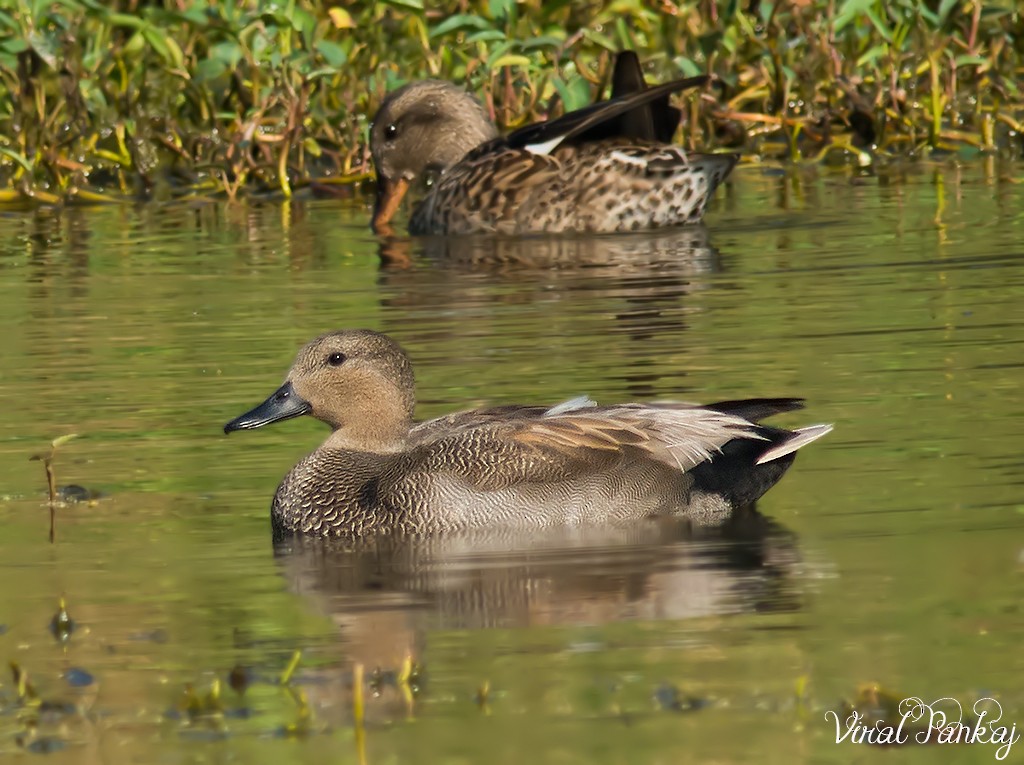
357,381
423,126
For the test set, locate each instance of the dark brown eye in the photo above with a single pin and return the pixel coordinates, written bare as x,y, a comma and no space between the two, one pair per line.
336,359
391,131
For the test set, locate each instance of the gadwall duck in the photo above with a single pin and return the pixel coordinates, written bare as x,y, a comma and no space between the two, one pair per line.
605,168
506,466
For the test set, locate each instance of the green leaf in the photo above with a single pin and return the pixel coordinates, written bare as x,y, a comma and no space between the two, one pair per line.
554,6
45,48
544,41
95,6
393,80
14,45
899,37
177,58
229,51
687,66
575,93
498,51
19,158
502,9
966,60
944,8
156,42
333,53
303,22
194,15
276,18
487,35
600,39
879,24
9,22
416,5
209,69
125,20
989,13
509,59
872,55
459,22
311,146
93,95
848,13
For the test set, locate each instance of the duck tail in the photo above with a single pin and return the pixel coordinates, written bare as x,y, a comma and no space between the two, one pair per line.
794,440
757,409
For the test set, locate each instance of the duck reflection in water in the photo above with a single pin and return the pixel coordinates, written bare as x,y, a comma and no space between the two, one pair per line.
685,251
386,595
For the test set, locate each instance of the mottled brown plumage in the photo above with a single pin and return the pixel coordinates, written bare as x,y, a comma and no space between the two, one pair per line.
518,466
606,168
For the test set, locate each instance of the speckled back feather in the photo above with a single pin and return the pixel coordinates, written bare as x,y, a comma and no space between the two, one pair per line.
599,188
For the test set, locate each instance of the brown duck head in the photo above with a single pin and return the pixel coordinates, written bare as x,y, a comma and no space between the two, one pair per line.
357,381
425,125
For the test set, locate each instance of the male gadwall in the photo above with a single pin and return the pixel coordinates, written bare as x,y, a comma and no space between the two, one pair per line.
511,466
604,168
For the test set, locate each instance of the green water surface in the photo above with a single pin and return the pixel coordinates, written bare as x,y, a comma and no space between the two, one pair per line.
892,552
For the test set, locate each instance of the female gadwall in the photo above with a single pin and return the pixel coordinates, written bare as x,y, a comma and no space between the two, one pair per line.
607,167
512,466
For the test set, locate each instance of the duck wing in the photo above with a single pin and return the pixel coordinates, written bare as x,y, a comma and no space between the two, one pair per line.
493,448
683,436
757,409
656,121
543,137
504,445
679,435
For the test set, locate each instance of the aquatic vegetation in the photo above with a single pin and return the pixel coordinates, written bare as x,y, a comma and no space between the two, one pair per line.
240,678
669,698
44,717
41,720
482,697
880,717
102,101
55,495
62,626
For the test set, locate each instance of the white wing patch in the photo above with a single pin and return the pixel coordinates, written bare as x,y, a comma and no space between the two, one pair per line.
572,405
545,148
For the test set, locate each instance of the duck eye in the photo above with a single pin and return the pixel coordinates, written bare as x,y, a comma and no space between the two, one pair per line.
336,359
390,131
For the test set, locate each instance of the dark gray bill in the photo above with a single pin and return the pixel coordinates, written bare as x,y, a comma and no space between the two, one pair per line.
283,404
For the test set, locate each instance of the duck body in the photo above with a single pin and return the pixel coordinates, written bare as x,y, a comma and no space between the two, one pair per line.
608,186
606,168
509,466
